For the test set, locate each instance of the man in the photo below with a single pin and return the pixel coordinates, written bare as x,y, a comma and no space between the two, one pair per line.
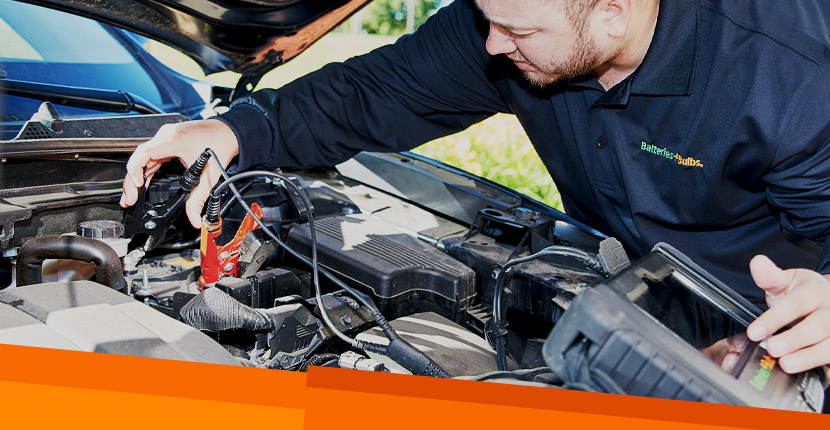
701,123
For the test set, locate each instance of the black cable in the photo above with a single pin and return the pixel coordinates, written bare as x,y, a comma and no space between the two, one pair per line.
498,325
227,206
213,206
520,374
180,245
228,183
318,360
399,350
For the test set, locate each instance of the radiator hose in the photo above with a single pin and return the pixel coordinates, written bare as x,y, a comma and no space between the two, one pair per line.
30,258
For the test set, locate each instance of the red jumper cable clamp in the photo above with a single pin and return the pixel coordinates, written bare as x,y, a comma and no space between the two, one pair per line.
218,261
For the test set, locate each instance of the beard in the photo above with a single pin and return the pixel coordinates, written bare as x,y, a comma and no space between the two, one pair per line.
583,58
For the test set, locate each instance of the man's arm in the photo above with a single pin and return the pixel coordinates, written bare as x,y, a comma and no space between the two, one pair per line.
426,85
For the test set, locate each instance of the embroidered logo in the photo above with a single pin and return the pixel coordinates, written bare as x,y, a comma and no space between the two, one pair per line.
663,152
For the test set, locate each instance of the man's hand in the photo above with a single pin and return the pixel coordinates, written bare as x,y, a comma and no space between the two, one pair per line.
184,141
798,299
725,352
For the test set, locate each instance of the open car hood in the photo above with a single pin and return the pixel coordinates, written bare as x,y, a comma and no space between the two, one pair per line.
250,37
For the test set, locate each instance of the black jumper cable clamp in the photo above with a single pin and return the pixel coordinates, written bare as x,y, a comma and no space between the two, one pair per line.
154,219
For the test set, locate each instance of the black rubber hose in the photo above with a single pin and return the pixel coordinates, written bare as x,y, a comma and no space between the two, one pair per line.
108,270
318,360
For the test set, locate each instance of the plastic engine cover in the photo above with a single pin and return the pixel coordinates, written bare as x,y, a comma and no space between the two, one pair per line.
87,316
404,274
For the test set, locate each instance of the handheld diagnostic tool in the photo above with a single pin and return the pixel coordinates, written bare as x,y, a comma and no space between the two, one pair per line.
666,328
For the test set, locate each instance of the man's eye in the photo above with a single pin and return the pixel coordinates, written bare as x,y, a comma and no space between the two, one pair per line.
523,35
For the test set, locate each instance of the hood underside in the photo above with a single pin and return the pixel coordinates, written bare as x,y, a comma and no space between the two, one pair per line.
250,37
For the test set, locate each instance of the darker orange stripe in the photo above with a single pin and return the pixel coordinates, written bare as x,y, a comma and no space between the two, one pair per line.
355,393
560,400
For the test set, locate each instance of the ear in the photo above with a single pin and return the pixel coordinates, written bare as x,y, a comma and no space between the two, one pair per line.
615,16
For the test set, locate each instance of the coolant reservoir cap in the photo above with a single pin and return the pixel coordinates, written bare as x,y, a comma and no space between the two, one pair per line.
102,229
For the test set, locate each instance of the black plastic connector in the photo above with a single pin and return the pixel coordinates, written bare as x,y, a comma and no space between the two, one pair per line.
191,176
402,352
412,359
212,211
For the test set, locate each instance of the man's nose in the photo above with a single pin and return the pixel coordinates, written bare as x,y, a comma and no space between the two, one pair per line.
499,41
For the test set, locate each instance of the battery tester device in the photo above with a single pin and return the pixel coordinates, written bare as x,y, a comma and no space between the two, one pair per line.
666,328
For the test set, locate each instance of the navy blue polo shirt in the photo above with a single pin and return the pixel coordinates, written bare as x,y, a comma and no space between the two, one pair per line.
717,144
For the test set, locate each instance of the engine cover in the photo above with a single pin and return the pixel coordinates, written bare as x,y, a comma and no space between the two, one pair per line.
87,316
404,274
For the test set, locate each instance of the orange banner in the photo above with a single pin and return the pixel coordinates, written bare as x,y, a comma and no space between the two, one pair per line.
43,387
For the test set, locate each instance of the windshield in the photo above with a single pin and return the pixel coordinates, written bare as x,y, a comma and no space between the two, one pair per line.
55,37
48,46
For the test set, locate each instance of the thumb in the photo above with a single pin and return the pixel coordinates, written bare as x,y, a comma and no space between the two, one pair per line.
210,177
773,280
195,203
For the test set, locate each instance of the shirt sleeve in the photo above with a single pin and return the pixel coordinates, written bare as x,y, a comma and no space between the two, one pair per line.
798,186
427,85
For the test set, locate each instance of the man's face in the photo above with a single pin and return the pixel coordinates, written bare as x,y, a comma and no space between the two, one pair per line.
540,39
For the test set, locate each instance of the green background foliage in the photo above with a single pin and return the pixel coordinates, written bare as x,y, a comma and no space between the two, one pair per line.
388,17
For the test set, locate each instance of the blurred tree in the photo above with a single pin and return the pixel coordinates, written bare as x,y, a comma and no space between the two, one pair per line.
389,17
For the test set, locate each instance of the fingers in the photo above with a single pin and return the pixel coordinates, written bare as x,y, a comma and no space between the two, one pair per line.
136,163
808,332
195,203
736,345
738,342
152,167
184,141
806,358
798,298
144,162
134,179
807,344
807,292
719,353
798,304
774,281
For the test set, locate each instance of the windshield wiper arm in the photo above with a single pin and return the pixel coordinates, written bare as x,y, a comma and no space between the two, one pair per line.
88,98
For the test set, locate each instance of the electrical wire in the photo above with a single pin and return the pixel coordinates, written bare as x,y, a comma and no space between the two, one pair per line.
362,298
497,322
315,268
180,245
227,206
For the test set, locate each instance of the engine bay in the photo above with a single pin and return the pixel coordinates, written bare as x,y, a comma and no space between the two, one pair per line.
425,257
386,263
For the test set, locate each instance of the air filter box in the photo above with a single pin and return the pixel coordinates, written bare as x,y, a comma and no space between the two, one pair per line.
403,274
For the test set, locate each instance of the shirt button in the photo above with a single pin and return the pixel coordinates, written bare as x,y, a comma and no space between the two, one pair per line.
602,143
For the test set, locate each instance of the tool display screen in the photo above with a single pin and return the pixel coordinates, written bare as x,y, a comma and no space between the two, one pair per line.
696,320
